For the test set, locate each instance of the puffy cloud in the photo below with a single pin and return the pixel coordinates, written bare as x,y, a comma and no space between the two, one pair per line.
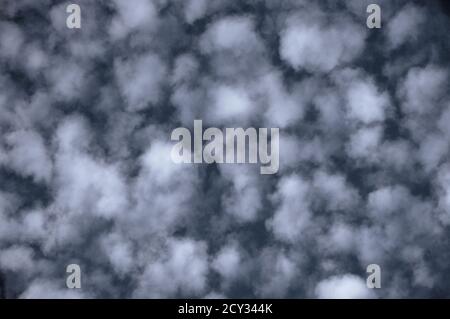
443,191
17,258
194,10
423,88
229,103
231,33
334,191
141,16
182,270
341,237
343,287
244,200
277,273
228,262
365,103
68,79
147,73
85,184
120,253
28,155
432,151
11,40
405,26
293,215
45,289
307,43
285,108
234,49
364,143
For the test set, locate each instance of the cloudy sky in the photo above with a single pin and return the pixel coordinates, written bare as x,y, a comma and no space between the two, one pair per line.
85,170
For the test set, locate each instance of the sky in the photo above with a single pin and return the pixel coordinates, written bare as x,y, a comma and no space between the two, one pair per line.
86,176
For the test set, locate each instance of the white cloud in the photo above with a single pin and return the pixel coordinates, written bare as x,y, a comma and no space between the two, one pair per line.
293,215
162,192
84,184
343,287
228,262
309,43
423,88
47,289
120,253
194,10
365,103
28,155
405,26
244,200
140,15
235,50
229,104
182,269
364,143
334,190
284,108
140,80
17,258
11,40
278,273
